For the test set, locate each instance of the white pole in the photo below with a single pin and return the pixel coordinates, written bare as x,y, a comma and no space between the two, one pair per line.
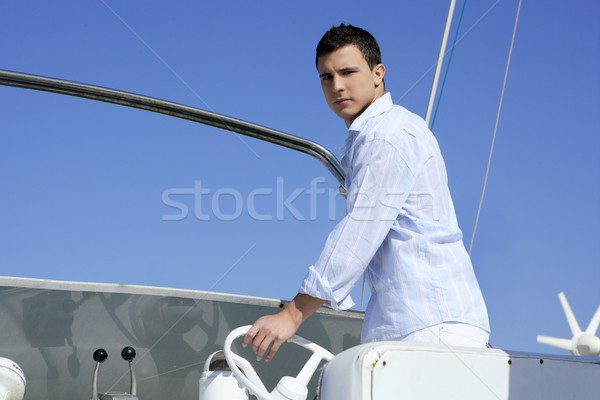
438,68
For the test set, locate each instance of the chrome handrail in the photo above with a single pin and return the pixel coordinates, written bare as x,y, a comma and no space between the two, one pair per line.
35,82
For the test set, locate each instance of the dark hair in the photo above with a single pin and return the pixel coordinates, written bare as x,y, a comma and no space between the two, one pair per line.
343,35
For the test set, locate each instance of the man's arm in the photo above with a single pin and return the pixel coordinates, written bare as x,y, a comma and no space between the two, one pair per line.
380,183
280,327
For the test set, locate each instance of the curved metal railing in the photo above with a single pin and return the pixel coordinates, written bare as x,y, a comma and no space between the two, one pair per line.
27,81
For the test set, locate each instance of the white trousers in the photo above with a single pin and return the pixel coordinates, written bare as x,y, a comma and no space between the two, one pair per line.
450,334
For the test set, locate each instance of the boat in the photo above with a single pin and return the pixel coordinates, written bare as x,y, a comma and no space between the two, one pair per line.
62,334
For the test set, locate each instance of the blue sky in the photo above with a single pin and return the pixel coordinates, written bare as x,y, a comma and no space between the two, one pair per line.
84,183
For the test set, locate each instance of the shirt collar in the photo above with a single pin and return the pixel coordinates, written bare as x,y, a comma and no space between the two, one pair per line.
379,106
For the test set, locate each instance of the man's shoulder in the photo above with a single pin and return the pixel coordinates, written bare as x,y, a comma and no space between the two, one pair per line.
398,125
404,131
403,118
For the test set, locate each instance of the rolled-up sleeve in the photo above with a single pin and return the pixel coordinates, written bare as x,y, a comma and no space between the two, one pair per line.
380,180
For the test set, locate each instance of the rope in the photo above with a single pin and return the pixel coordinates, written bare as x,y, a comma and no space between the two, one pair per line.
489,162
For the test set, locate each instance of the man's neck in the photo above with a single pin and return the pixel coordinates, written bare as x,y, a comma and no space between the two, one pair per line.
377,96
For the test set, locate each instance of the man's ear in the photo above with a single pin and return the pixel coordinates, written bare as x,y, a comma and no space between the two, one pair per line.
378,74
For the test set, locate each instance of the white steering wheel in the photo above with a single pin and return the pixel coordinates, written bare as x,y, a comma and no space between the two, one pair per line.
288,388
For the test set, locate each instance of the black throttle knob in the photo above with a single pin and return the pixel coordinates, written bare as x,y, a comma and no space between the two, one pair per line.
128,353
100,355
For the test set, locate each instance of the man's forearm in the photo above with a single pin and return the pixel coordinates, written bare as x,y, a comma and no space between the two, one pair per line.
302,307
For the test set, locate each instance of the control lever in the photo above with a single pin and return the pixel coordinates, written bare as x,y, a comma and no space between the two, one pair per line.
100,355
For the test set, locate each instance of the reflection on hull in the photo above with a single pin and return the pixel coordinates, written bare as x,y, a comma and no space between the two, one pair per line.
51,330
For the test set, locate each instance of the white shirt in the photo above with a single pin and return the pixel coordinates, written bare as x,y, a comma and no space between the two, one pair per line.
400,226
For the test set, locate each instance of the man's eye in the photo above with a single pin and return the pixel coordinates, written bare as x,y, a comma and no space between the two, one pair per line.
326,77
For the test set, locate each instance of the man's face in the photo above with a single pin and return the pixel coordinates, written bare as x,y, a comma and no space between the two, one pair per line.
348,83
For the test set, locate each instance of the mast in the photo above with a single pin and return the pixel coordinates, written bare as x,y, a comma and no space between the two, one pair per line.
438,68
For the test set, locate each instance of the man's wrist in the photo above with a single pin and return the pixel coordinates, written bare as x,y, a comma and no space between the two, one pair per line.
302,307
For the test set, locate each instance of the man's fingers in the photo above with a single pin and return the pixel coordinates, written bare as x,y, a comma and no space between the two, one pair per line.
248,337
261,346
274,349
268,333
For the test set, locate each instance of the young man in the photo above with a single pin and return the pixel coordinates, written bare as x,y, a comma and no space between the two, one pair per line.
400,224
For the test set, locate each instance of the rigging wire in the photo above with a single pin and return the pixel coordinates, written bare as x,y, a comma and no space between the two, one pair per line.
489,162
454,42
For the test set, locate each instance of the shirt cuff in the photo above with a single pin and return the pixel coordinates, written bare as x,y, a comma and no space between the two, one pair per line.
316,286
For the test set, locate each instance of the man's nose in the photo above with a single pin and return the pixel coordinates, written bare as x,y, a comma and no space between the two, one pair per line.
337,85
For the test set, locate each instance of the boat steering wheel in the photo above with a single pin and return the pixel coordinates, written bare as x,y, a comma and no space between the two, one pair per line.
288,387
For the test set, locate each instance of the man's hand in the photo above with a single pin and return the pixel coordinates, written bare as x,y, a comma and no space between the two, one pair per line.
280,327
269,329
